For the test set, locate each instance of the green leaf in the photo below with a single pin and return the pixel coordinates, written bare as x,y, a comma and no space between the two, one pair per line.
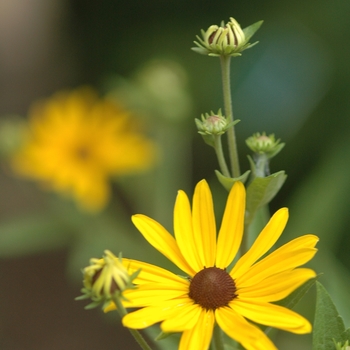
261,191
252,29
328,324
228,182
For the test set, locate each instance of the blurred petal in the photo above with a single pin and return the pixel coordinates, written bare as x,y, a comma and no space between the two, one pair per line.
162,240
266,239
204,227
199,337
184,232
272,315
276,287
231,231
239,329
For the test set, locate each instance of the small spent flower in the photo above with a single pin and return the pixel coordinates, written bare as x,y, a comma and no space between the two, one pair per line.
226,40
105,279
213,124
263,144
236,297
76,143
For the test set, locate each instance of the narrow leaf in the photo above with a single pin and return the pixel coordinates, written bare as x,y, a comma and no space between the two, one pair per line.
328,325
261,191
252,29
228,182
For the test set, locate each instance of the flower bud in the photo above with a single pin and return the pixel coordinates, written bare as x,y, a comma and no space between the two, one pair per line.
340,346
263,144
105,278
213,124
227,40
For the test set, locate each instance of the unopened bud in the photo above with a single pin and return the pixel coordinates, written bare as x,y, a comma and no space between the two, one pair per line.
227,40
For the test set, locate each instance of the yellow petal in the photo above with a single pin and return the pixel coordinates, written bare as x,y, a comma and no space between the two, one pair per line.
266,239
287,257
184,232
278,286
199,337
150,315
272,315
162,240
204,227
239,329
151,273
185,319
154,293
231,231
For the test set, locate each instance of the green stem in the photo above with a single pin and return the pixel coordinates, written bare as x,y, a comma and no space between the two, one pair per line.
220,156
218,339
136,334
231,137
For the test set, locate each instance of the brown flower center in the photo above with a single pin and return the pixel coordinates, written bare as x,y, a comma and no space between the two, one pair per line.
83,152
212,288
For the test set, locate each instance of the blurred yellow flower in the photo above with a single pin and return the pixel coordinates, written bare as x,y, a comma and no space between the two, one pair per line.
215,292
77,142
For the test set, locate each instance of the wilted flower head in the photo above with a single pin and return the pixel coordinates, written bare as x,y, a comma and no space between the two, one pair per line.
227,40
105,278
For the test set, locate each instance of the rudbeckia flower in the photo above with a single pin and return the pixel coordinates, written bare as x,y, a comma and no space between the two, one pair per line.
235,298
76,143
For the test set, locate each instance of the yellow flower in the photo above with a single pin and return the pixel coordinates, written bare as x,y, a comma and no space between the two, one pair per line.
215,292
76,142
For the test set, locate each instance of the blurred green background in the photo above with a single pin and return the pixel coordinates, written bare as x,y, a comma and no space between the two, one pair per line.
294,83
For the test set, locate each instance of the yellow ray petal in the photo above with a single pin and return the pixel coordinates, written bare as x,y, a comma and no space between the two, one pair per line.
154,293
231,230
278,286
272,315
184,232
151,273
239,329
185,319
162,240
150,315
200,336
289,256
204,227
266,239
275,264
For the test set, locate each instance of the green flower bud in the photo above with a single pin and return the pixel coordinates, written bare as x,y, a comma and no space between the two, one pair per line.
213,124
104,279
263,144
340,346
226,40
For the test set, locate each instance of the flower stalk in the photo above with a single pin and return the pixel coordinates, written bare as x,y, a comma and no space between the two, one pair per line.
231,136
134,332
